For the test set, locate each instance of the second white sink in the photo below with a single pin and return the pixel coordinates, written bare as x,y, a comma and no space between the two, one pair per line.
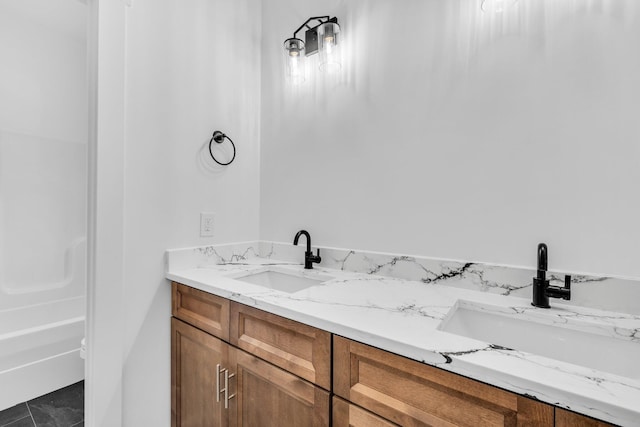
574,343
284,282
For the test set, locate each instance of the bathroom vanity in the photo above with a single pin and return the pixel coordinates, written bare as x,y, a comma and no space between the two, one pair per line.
242,356
351,349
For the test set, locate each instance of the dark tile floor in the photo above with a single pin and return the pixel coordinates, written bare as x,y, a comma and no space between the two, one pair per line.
60,408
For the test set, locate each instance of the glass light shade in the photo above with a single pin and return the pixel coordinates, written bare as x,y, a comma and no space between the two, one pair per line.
496,6
329,47
294,60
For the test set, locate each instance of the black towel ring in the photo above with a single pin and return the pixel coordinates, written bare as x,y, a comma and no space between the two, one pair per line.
219,137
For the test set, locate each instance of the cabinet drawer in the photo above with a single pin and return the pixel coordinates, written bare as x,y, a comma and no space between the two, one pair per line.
347,414
201,309
300,349
410,393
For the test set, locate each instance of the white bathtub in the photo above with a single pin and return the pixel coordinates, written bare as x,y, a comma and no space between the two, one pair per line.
41,327
44,353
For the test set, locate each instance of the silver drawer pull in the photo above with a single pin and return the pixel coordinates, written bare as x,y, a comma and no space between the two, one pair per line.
218,372
227,397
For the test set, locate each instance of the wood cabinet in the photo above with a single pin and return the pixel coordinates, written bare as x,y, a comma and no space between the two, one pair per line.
566,418
195,356
346,414
300,349
201,309
268,396
410,393
217,384
234,365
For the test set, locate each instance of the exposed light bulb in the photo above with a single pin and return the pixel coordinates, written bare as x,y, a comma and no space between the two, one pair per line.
330,60
296,70
294,63
329,46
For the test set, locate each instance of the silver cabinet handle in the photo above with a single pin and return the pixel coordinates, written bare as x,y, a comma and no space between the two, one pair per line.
218,372
227,397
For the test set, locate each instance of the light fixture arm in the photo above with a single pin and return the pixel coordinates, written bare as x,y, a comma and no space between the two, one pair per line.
317,18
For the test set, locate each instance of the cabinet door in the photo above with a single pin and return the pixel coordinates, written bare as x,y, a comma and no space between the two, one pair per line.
410,393
571,419
298,348
268,396
347,414
194,356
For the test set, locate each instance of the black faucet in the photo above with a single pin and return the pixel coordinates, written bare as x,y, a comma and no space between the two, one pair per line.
309,257
541,288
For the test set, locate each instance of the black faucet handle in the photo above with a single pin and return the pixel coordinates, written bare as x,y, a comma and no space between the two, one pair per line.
310,258
567,286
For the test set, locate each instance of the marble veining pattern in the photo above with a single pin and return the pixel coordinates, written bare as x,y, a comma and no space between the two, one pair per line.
397,304
606,293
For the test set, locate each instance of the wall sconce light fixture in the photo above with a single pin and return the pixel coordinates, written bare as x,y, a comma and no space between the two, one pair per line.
321,38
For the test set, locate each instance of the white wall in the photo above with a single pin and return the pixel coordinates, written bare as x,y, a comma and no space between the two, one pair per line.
191,68
458,134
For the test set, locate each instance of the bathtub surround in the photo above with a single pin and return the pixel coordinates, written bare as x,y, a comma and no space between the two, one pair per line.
71,283
43,139
404,316
43,189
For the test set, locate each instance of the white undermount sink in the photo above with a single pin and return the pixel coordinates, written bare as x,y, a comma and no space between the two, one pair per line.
289,282
579,344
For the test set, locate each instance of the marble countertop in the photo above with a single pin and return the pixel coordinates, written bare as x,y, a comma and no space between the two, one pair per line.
404,316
